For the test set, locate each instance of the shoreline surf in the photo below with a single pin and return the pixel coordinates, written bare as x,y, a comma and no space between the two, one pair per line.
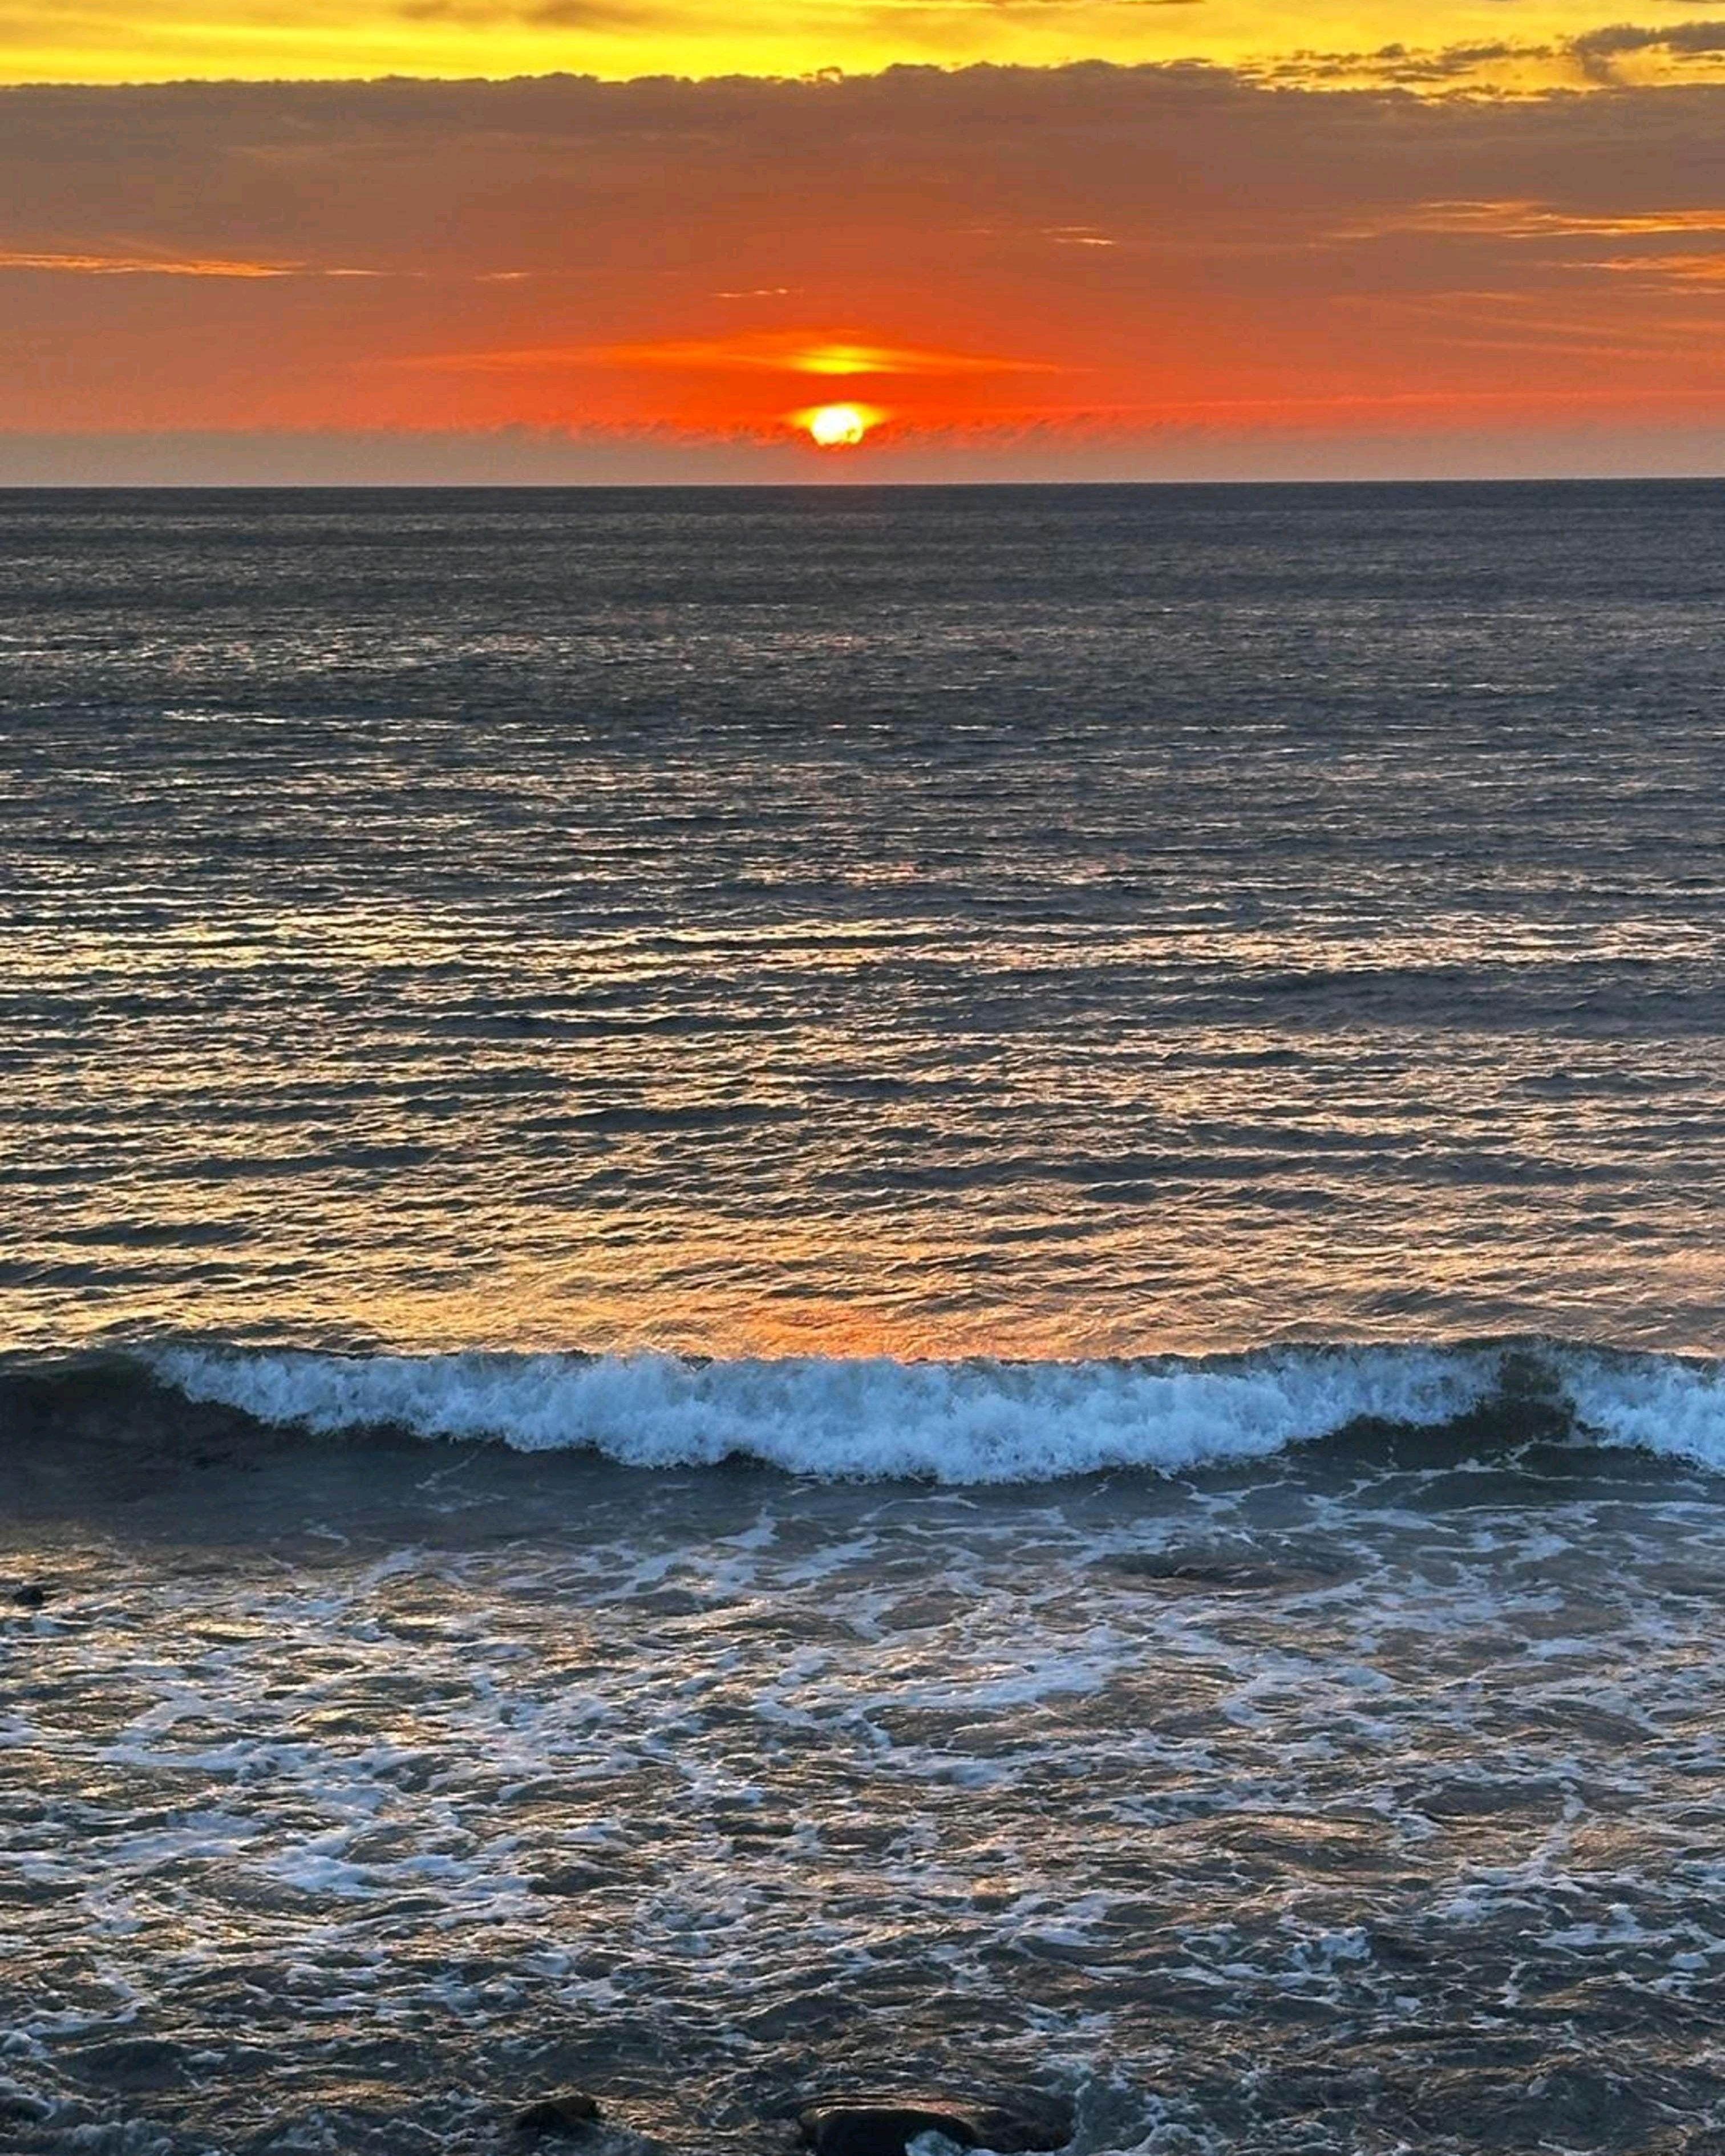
969,1422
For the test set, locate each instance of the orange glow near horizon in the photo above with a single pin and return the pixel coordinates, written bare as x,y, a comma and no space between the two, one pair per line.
1189,266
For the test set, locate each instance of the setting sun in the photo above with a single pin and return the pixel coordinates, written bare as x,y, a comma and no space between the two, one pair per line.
838,426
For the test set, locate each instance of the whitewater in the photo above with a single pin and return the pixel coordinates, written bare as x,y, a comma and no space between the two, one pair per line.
964,1422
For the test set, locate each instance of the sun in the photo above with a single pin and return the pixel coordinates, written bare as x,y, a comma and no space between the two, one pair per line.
838,426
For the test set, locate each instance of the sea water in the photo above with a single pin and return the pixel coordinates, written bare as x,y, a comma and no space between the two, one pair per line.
862,1289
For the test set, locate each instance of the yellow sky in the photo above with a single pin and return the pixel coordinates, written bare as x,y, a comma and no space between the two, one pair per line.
1530,44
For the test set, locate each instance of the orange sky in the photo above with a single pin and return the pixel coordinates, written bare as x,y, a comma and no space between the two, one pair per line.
1085,271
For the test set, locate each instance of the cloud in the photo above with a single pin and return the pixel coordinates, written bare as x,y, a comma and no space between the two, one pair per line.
1706,37
1508,67
1700,273
1574,239
1599,52
802,354
123,265
1527,220
785,353
1403,67
142,265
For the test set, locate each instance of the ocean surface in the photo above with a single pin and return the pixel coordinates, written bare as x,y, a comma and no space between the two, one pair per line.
863,1289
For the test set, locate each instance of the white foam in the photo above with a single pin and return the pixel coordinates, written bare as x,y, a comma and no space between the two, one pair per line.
1657,1403
948,1422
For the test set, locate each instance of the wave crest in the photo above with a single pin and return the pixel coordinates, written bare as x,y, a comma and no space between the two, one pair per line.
960,1422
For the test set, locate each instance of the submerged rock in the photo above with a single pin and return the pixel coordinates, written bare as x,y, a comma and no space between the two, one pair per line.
572,2113
886,2125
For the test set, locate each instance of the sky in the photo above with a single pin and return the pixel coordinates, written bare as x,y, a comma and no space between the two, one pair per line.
564,240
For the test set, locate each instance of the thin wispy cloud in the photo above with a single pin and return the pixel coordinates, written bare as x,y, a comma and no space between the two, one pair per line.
144,265
776,354
1531,220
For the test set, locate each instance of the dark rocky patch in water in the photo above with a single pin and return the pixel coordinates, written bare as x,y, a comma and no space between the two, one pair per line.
884,2125
567,2115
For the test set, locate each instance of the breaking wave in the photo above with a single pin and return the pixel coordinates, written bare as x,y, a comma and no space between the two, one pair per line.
949,1422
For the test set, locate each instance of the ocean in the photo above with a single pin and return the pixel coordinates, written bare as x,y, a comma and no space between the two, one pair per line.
834,1293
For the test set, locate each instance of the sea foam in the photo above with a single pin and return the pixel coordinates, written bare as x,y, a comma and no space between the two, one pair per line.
974,1421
